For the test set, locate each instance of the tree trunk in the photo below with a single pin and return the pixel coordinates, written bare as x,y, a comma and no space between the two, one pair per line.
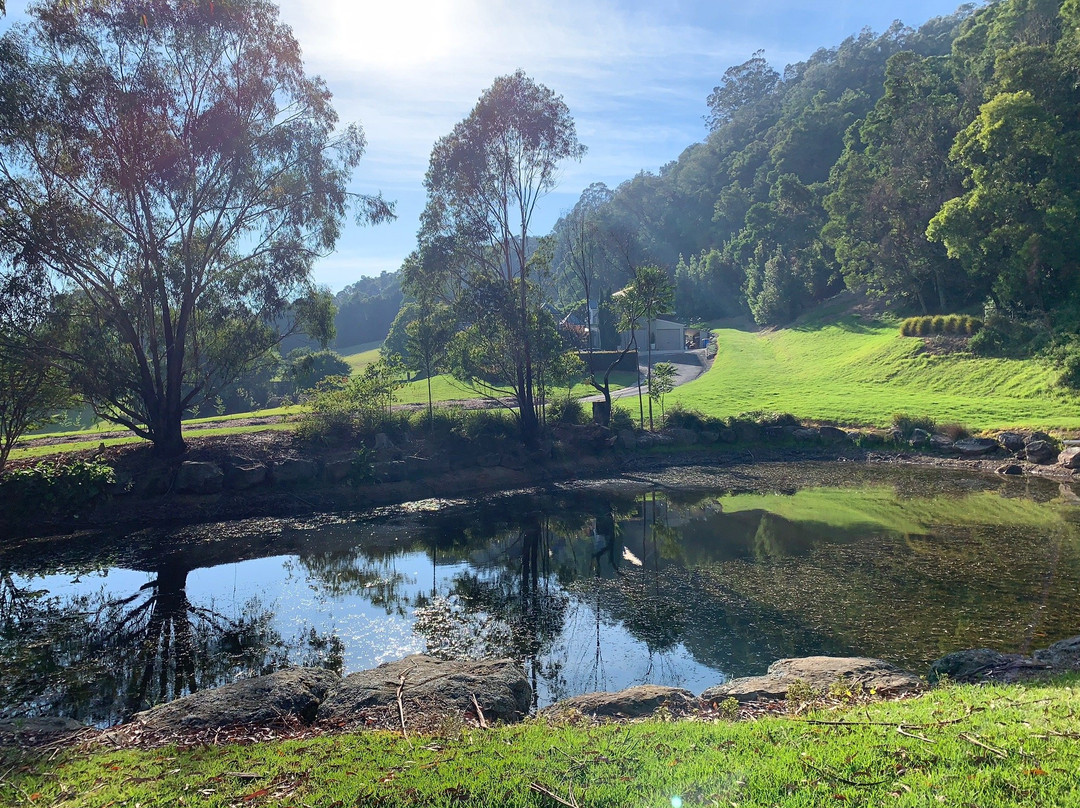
648,374
168,436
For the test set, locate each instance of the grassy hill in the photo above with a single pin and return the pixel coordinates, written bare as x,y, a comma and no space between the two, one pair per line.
861,371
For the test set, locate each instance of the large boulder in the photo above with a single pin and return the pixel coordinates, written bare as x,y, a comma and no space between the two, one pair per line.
292,470
1013,441
243,477
634,702
196,477
973,447
832,434
1040,451
1061,656
499,687
22,732
1070,458
819,673
295,692
942,442
984,665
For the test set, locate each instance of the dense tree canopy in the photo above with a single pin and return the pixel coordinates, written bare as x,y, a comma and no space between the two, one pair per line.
171,173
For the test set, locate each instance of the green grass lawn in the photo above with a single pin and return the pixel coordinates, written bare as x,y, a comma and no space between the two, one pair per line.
446,388
990,747
358,360
861,373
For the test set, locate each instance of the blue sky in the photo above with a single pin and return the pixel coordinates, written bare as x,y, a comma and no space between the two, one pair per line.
634,74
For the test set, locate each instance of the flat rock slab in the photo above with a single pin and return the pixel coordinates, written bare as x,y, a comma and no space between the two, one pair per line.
634,702
22,731
295,692
976,446
499,686
819,673
985,665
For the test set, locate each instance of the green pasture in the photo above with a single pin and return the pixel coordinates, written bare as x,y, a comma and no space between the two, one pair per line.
858,372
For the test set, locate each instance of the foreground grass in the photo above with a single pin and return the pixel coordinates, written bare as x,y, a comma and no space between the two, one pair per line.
856,372
959,746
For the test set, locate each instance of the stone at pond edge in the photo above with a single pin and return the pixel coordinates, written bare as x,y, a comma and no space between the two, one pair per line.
1070,458
1040,451
819,673
1013,441
196,477
634,702
16,731
295,692
1010,469
833,434
499,686
984,664
976,446
1061,656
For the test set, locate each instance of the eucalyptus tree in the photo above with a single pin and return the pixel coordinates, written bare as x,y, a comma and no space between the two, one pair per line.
172,171
652,294
484,181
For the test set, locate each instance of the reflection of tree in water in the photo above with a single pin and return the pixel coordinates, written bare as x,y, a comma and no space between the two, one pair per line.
511,608
101,659
361,572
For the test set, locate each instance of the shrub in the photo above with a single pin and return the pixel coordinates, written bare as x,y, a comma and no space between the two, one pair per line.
907,327
937,324
1008,337
621,419
566,411
55,488
954,431
764,418
907,424
952,324
940,324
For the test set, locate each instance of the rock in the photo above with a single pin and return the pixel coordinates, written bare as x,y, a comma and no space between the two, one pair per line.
296,692
19,731
819,673
334,471
1034,436
489,461
512,461
626,439
390,471
1013,441
941,441
1070,458
293,470
974,447
634,702
920,437
197,477
984,664
747,431
686,437
1061,656
870,439
500,687
240,478
776,433
385,449
709,436
831,434
727,436
1010,469
1040,451
807,434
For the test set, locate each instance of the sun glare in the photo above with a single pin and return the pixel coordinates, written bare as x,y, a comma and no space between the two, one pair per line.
390,36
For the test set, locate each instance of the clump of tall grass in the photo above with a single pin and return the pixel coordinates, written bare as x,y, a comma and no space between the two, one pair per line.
963,325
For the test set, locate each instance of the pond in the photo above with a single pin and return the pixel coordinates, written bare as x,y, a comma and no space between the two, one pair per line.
684,578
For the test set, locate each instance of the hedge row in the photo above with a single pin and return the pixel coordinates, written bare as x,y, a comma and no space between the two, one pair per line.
962,324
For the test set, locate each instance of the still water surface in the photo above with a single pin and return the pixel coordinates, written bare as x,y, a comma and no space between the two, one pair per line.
595,588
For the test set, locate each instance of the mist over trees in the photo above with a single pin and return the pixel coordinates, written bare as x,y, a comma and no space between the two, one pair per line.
933,166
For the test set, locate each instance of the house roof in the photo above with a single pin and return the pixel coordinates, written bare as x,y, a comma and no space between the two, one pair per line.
666,324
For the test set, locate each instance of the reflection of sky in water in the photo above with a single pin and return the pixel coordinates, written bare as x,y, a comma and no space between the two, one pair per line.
591,654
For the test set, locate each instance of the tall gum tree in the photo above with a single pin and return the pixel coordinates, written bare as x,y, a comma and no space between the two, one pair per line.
171,171
484,181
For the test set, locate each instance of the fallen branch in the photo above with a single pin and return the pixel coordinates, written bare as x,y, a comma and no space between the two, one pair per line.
840,779
479,712
401,706
907,734
547,792
1001,753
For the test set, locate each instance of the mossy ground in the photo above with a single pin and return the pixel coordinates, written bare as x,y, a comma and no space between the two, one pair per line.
988,746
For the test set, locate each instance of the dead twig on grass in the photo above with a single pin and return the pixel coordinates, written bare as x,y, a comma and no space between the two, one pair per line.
907,734
1001,753
547,792
840,778
479,712
401,706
